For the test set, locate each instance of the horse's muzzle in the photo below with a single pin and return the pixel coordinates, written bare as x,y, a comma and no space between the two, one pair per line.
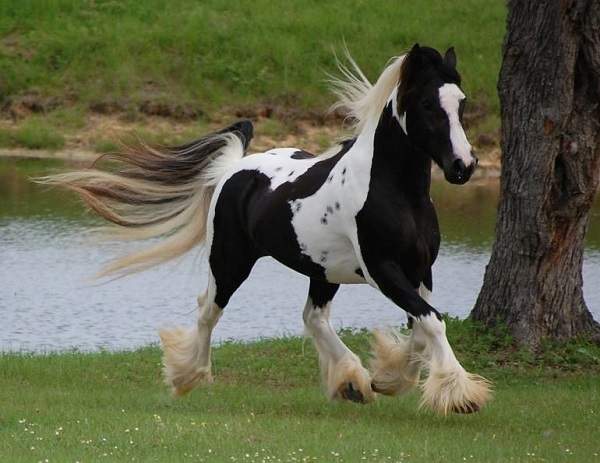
458,172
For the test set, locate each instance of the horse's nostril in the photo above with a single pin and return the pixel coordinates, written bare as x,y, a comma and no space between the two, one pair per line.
459,166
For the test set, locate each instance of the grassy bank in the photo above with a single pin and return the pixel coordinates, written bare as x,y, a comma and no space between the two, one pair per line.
61,60
266,406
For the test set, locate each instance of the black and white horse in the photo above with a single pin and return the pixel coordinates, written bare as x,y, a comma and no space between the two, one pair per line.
359,213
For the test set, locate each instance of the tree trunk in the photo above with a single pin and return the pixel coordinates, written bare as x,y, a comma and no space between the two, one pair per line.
550,103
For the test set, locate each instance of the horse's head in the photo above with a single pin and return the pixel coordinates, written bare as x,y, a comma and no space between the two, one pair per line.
430,107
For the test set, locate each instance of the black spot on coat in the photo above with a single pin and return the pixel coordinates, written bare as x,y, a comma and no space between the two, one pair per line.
301,154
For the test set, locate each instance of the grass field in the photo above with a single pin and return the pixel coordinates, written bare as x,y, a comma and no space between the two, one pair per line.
266,406
62,59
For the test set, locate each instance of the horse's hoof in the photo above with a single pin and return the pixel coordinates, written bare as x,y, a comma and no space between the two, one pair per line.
374,388
465,409
354,395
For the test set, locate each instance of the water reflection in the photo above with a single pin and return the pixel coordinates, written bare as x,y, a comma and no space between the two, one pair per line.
47,301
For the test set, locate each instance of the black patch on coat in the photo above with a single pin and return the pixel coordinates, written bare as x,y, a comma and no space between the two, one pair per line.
428,277
301,154
359,272
397,227
321,292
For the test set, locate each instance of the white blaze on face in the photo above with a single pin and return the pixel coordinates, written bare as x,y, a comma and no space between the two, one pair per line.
450,98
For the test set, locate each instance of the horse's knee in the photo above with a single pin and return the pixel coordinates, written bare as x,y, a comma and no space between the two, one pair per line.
209,315
202,299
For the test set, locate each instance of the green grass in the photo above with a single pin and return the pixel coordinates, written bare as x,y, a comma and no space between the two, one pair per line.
68,57
266,405
273,128
102,145
34,133
217,53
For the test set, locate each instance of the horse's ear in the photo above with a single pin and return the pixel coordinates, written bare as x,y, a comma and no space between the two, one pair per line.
450,58
413,56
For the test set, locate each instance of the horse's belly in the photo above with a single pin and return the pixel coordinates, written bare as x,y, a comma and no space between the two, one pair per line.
344,268
336,255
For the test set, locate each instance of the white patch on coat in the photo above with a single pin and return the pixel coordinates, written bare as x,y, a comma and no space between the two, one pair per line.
425,293
450,97
403,122
393,99
330,238
400,118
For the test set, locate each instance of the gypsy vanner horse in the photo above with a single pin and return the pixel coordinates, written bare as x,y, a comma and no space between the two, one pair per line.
358,213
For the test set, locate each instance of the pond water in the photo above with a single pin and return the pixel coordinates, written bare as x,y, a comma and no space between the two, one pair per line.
48,301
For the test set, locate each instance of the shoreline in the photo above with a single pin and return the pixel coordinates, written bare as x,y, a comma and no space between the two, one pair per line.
486,169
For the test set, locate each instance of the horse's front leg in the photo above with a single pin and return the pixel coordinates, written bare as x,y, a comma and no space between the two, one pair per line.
448,388
397,359
343,373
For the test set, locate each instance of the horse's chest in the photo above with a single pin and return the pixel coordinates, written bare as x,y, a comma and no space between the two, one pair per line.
400,232
419,242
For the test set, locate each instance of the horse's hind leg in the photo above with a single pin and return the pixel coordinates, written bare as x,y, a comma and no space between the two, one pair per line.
343,373
186,356
186,351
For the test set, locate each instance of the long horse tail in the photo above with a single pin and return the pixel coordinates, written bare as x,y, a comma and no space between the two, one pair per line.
149,192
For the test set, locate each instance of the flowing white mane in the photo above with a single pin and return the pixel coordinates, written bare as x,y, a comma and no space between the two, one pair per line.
358,98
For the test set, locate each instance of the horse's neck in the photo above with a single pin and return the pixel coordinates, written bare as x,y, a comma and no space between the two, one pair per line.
387,157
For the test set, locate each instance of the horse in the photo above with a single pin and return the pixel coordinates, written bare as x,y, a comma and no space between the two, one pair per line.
359,213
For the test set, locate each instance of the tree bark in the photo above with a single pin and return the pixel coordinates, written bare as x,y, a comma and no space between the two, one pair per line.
549,91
